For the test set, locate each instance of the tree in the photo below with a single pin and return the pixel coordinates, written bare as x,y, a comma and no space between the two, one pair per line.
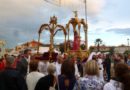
98,42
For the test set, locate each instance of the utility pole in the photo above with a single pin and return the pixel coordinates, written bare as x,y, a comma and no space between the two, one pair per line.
86,30
85,2
128,43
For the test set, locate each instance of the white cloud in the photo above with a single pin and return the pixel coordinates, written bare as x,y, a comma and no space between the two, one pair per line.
93,6
14,8
25,9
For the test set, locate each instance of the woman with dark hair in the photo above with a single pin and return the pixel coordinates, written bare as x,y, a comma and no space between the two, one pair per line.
66,80
107,66
121,81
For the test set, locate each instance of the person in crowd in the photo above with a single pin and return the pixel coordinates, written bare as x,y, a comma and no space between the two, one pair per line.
67,79
128,61
16,61
33,77
121,57
10,79
121,81
2,64
100,63
65,56
23,63
91,79
84,60
107,66
58,64
80,66
125,58
48,81
74,60
42,66
92,56
118,59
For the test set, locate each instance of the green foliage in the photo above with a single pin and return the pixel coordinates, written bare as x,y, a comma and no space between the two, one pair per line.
98,42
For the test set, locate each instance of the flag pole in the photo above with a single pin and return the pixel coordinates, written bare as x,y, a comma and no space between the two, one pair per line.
86,27
85,9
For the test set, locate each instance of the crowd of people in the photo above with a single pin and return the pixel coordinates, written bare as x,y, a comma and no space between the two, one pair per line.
69,72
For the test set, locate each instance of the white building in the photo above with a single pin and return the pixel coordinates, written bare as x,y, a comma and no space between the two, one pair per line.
121,49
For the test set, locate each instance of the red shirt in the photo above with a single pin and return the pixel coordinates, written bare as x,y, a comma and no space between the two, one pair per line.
2,65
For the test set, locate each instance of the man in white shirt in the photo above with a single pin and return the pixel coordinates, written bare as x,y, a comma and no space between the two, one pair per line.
58,64
74,59
33,77
42,66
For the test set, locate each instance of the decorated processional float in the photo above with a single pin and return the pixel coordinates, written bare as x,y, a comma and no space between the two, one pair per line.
75,49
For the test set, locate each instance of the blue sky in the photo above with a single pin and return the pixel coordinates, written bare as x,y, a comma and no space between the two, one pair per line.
107,19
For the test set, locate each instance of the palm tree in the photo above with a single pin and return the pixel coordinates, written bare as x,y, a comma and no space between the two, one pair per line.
98,42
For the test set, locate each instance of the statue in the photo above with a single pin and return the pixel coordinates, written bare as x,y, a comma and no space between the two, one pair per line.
75,13
76,43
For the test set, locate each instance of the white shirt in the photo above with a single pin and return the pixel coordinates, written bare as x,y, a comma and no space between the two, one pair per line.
76,71
113,85
28,60
58,68
100,61
42,67
101,69
32,79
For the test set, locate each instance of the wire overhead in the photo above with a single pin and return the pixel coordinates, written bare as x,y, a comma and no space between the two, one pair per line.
54,2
